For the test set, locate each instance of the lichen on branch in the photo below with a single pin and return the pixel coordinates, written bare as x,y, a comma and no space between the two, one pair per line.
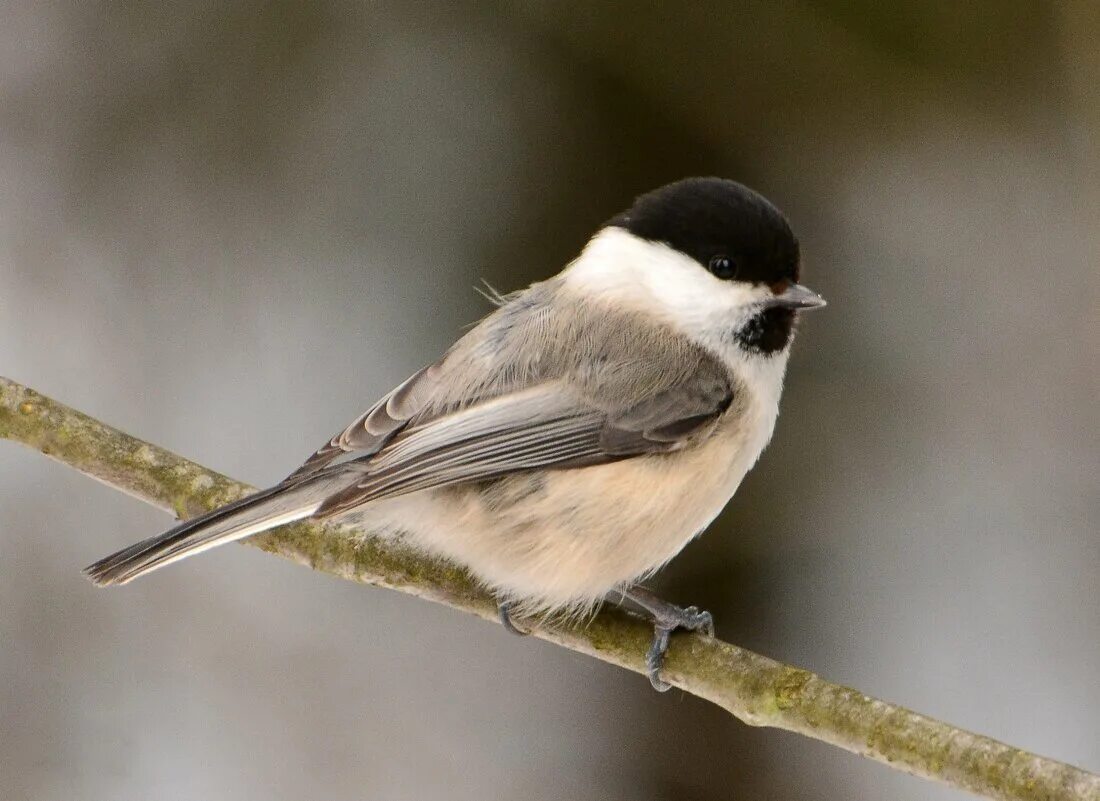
756,689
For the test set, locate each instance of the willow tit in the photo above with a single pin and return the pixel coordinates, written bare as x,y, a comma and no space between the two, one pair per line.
582,433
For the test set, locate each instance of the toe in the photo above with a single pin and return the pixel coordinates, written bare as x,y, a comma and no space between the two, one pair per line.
655,658
506,621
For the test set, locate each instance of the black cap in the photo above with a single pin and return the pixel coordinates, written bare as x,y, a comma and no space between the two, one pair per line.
709,218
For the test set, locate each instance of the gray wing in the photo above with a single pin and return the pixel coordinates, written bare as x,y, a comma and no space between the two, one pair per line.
531,388
543,427
376,426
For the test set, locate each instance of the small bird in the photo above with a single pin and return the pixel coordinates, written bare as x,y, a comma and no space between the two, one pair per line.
581,434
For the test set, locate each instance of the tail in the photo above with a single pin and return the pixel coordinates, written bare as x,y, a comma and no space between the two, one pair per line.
266,509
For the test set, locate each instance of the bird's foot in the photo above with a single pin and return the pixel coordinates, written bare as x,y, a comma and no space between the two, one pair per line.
667,618
505,610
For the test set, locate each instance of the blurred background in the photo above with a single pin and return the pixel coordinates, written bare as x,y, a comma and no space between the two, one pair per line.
229,227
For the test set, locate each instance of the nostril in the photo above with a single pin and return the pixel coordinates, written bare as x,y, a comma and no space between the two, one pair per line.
779,287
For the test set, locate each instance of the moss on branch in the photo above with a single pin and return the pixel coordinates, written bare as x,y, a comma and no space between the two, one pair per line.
756,689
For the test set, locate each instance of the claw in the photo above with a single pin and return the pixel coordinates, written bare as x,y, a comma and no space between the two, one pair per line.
655,657
666,619
504,608
696,619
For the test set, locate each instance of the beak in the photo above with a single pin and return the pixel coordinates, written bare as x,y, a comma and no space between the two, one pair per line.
797,297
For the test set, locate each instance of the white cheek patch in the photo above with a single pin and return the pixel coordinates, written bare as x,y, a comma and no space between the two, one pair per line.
667,282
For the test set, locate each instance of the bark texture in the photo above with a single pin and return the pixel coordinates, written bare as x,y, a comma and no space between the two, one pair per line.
754,688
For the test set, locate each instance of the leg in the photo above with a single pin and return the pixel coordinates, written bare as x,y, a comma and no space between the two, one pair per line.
506,620
666,619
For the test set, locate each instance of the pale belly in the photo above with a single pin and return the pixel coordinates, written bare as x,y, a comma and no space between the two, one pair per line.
563,539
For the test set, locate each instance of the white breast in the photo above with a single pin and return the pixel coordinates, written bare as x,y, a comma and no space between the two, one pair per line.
563,539
578,534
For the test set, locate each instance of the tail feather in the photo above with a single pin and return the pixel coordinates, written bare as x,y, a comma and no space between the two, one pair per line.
258,512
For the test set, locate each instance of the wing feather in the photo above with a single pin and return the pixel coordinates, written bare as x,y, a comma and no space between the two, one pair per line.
545,427
376,426
529,388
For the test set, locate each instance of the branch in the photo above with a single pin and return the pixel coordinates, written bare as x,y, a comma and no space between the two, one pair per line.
758,690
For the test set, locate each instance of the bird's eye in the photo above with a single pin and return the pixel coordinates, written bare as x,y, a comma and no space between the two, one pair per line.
723,267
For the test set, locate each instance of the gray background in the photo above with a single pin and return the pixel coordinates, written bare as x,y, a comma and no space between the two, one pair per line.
227,228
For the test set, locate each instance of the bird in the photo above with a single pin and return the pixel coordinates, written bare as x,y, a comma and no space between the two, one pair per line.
574,440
